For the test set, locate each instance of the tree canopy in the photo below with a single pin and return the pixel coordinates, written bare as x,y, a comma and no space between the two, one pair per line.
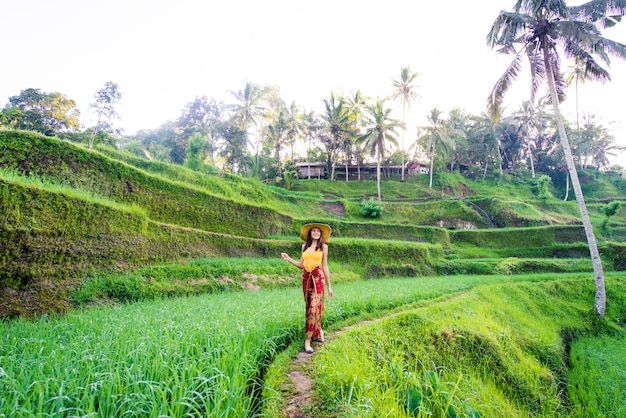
48,113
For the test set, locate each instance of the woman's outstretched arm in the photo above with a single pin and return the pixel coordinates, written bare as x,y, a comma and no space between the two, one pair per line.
286,257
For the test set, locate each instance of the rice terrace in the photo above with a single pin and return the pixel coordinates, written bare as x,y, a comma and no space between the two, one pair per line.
138,288
477,263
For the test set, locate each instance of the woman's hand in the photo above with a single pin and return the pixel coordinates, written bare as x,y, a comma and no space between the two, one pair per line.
330,292
284,256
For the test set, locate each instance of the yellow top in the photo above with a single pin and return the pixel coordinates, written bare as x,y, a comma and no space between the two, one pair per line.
312,259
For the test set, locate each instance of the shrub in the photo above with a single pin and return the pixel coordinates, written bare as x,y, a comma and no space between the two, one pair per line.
289,178
541,186
609,210
371,208
620,184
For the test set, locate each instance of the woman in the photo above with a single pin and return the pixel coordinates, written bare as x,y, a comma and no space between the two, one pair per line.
314,265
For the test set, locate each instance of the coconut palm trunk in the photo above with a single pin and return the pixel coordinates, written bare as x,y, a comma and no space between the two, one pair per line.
532,164
432,162
497,138
600,298
378,156
402,145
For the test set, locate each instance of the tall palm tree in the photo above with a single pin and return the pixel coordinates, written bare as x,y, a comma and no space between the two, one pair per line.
312,127
538,27
277,133
249,107
295,125
436,138
357,105
530,120
577,74
380,130
337,117
404,92
487,129
457,127
494,117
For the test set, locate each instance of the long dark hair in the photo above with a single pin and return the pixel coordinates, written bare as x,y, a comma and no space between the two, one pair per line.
309,242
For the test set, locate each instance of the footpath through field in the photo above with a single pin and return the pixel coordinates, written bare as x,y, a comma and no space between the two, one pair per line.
301,384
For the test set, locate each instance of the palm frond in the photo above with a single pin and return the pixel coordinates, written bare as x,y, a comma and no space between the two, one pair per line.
404,87
590,68
555,67
578,31
602,13
584,43
505,30
612,48
537,70
503,84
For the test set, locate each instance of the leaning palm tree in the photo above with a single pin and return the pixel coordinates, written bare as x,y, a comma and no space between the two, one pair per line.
538,27
380,130
404,92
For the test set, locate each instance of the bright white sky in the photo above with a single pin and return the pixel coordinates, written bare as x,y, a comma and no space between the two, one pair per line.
164,53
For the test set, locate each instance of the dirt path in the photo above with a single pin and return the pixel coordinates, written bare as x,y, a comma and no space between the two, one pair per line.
302,384
302,388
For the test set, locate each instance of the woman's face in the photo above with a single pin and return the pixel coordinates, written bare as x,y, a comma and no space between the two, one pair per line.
316,233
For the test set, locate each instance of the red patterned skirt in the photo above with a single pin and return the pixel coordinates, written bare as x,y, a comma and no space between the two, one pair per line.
313,289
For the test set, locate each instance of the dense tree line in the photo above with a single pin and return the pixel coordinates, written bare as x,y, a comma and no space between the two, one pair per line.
258,134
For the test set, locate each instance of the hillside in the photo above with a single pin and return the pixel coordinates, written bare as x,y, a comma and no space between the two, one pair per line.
68,212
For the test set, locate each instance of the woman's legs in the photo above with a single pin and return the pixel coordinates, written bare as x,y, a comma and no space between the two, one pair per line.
313,319
313,286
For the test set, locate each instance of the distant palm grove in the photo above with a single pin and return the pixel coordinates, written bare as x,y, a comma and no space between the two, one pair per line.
259,135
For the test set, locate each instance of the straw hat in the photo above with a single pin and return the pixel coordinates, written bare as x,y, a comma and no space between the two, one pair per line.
326,231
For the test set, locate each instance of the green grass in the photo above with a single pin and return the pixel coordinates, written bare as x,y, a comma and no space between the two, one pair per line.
597,379
512,265
183,357
498,351
68,210
56,186
192,355
207,275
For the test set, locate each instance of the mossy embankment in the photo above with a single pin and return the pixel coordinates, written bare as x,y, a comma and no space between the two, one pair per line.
163,199
49,240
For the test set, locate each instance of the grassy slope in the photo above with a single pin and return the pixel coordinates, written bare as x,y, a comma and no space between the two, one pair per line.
501,350
199,355
67,211
132,189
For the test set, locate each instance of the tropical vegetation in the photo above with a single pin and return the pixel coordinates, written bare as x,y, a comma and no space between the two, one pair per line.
140,274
